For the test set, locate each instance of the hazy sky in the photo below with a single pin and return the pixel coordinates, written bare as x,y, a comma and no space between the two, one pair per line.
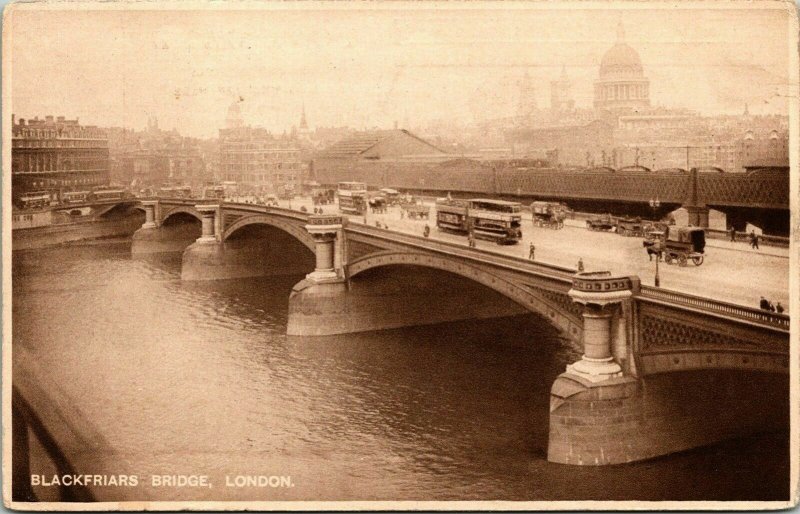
370,67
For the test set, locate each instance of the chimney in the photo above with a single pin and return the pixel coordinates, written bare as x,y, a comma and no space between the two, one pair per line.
61,119
22,122
48,119
13,119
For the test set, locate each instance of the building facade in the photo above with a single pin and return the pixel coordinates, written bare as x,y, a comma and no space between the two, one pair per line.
258,162
57,155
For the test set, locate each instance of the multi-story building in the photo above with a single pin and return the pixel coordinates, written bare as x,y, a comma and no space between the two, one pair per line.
256,160
155,157
57,155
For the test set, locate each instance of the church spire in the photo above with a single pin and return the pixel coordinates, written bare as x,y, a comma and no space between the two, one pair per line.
303,123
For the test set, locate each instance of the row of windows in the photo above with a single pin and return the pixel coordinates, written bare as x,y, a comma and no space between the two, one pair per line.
281,154
57,162
623,91
52,133
65,182
59,143
260,178
255,167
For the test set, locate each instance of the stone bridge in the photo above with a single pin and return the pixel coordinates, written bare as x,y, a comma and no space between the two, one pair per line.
661,371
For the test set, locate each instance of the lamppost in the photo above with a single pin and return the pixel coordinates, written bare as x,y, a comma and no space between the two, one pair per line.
654,205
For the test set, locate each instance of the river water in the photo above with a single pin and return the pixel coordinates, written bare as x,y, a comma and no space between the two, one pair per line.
200,378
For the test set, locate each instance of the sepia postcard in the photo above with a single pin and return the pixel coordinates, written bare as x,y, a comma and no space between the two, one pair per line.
390,255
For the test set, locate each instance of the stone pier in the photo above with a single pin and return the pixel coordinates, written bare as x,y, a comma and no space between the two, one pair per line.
155,238
211,258
601,412
318,302
327,303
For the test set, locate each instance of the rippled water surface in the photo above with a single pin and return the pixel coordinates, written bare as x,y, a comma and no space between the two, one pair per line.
201,378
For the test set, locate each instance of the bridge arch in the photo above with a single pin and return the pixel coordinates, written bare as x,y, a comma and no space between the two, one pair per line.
181,210
635,168
295,229
564,317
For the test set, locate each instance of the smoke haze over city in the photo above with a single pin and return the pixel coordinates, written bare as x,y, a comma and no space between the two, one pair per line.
379,65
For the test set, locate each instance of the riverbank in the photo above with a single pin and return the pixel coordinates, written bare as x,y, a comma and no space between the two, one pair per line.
53,235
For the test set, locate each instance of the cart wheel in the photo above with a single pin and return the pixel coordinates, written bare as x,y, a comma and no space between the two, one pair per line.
682,260
698,260
668,258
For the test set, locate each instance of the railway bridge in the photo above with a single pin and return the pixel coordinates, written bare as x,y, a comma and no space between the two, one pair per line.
759,196
728,364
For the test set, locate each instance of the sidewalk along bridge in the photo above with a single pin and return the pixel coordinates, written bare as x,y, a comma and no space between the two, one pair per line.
661,371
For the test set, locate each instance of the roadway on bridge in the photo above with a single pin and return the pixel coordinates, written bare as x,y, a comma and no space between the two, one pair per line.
731,272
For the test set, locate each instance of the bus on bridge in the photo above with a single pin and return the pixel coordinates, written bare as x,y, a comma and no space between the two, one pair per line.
492,220
352,197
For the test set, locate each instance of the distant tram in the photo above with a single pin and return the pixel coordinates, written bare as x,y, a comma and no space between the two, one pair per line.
352,197
214,193
108,193
491,220
35,200
175,192
75,196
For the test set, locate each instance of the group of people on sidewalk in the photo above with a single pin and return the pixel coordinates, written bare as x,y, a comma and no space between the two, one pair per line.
767,305
752,238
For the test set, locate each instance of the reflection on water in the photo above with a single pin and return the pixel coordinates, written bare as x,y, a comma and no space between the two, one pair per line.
201,378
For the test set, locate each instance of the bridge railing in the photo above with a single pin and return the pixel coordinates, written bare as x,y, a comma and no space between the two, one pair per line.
725,309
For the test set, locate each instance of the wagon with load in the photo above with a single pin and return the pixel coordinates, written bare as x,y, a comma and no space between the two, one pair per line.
603,222
549,214
677,245
416,211
630,227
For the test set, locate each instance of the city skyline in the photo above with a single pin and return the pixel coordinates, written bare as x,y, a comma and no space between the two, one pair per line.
379,67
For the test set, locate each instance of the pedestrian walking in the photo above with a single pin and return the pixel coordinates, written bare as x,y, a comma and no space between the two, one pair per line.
580,263
531,252
779,308
426,231
753,240
402,213
471,240
733,234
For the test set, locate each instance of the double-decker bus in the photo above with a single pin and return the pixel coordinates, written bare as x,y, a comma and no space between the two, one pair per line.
35,200
108,193
214,192
175,192
352,197
75,196
492,220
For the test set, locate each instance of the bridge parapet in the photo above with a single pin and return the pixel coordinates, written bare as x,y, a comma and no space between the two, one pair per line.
716,308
